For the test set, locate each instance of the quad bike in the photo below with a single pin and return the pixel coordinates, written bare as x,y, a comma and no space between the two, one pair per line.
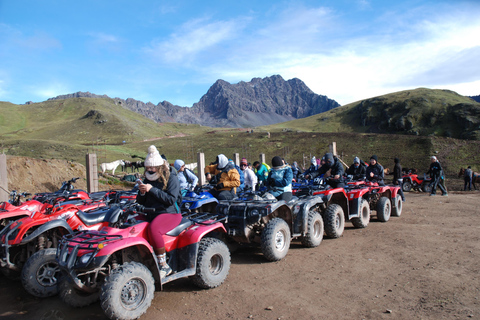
272,223
199,200
335,210
28,244
416,182
365,196
117,264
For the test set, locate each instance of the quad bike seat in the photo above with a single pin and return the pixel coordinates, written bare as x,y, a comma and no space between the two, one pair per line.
97,195
92,218
184,224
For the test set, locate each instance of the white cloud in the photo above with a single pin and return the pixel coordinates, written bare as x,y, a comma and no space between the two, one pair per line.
50,90
193,38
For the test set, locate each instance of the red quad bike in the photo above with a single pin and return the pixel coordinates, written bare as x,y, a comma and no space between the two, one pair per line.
16,209
28,244
416,182
335,209
366,196
118,263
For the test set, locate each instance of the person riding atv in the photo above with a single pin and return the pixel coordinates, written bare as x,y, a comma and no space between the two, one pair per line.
375,171
279,181
336,174
225,176
357,170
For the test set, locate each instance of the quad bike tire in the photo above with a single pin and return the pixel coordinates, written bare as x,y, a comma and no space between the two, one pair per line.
426,187
127,292
407,186
364,219
334,221
384,209
315,230
213,263
74,297
397,210
40,274
275,239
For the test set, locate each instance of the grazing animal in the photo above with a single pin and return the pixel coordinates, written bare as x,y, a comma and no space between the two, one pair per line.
138,164
128,164
475,178
112,166
386,171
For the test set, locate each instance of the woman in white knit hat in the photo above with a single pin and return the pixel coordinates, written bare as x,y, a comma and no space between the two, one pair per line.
160,190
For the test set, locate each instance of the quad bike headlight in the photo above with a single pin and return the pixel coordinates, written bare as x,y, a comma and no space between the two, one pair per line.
187,205
85,258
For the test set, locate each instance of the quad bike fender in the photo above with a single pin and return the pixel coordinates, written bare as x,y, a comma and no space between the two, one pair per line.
199,203
301,221
355,205
123,244
280,210
196,233
53,224
15,213
334,196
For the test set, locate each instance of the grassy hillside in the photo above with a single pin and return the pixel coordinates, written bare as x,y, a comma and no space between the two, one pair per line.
415,112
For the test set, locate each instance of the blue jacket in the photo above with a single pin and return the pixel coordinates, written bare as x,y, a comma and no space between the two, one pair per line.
280,180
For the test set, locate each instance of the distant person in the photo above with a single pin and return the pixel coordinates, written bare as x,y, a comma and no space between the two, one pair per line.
225,177
261,172
398,176
375,172
296,170
188,180
436,173
279,181
250,177
332,163
313,167
468,176
357,170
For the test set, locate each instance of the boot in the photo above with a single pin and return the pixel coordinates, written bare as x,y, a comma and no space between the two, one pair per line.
165,269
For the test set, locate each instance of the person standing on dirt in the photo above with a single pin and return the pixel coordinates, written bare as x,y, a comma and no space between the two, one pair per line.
436,173
160,190
250,177
188,180
335,180
296,170
375,171
279,181
226,177
398,176
357,170
468,176
261,172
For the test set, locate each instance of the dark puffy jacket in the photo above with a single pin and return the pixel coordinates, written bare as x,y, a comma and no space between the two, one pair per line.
397,172
164,201
337,169
378,172
358,173
435,170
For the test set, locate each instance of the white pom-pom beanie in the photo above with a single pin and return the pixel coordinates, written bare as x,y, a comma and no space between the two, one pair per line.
153,158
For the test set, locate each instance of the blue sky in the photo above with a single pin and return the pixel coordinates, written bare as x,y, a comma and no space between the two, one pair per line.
175,50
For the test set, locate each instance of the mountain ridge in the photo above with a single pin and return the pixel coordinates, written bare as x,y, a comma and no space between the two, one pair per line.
245,104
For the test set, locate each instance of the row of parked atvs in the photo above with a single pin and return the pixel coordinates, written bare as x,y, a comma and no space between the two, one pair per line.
96,246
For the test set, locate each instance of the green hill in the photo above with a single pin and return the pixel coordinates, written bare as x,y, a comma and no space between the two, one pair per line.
422,111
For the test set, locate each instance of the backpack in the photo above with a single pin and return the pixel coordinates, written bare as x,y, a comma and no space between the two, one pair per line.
266,166
242,178
187,177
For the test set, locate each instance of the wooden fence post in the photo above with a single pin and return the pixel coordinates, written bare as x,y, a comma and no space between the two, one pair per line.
201,168
92,172
3,178
236,158
262,157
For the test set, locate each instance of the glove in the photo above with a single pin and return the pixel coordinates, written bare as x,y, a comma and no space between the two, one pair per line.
271,182
219,186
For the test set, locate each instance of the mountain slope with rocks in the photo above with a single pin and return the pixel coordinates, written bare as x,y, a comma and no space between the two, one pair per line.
245,104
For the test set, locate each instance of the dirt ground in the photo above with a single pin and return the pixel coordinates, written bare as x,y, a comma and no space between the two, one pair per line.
422,265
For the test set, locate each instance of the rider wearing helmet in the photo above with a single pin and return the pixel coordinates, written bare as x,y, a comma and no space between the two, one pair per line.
336,171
